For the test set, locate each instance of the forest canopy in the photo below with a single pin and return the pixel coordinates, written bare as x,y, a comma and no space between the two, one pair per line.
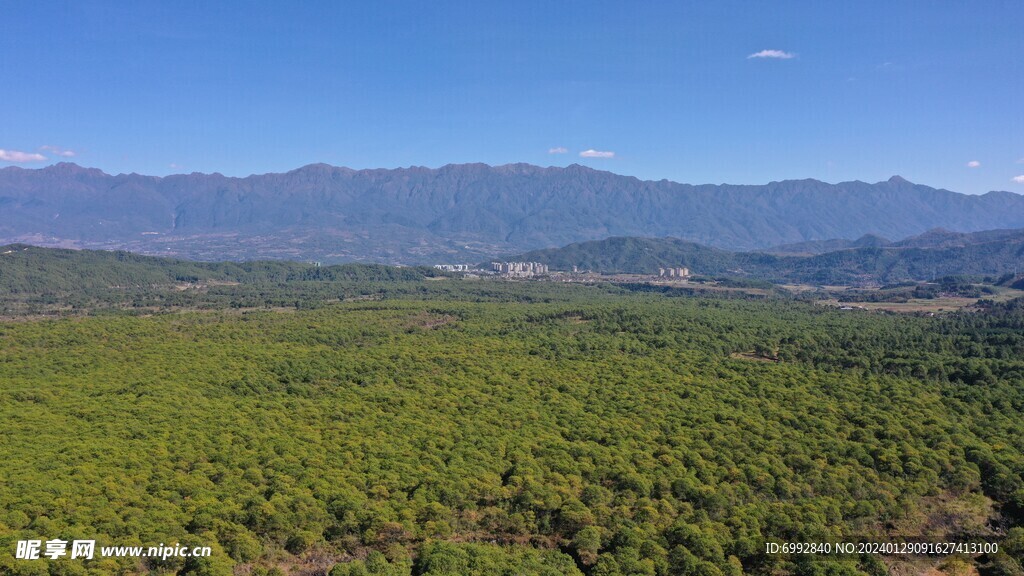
559,433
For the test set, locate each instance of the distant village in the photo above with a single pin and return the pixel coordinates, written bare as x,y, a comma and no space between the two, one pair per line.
534,269
507,269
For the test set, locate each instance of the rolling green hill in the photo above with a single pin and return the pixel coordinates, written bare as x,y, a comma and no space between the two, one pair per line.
31,269
920,258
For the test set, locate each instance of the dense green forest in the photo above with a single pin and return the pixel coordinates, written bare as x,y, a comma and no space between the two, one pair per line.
486,428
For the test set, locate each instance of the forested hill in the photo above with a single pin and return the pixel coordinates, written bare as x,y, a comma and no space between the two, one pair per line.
936,253
934,238
466,212
30,269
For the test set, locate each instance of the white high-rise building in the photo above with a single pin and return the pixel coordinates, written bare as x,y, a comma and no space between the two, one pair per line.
519,268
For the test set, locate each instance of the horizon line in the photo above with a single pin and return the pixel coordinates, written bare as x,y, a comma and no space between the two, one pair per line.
893,178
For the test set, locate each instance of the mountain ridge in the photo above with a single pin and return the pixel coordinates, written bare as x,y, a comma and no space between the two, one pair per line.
457,211
74,167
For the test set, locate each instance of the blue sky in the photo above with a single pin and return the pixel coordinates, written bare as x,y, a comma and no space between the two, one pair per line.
667,89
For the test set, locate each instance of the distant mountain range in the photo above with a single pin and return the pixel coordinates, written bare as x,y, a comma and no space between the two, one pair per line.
935,253
458,213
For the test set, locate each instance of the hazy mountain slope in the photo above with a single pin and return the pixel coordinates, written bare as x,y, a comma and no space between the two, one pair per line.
941,238
646,255
822,246
934,238
457,212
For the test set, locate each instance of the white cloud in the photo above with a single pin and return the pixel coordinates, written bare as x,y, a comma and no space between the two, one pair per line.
1021,161
19,156
779,54
174,166
58,151
596,154
557,150
1019,179
973,164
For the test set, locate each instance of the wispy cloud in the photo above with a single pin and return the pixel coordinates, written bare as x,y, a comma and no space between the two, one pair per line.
558,150
1021,161
973,164
596,154
174,166
18,156
58,151
1019,179
777,54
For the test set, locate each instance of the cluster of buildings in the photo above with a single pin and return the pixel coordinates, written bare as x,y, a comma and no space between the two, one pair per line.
530,269
519,268
673,272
